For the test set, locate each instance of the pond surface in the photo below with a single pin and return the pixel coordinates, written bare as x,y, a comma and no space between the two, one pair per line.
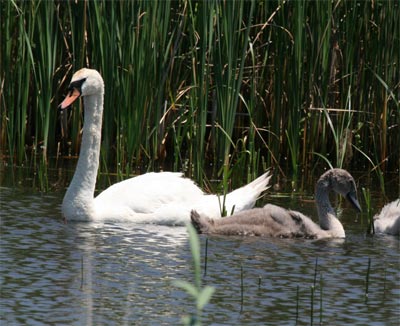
123,274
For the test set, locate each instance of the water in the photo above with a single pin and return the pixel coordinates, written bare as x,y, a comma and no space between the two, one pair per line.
122,274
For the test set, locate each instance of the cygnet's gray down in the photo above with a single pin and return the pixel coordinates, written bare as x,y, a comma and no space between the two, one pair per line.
275,221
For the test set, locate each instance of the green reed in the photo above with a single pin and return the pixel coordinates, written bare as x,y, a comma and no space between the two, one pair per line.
214,88
312,295
367,280
16,70
241,288
82,269
201,295
297,303
321,310
205,257
229,63
368,211
201,31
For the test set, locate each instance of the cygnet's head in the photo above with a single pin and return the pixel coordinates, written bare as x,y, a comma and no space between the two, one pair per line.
84,82
341,182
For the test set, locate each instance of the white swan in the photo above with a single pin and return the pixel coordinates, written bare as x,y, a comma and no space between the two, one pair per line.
276,221
162,198
388,220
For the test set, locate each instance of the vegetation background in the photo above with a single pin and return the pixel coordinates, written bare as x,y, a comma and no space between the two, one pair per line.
213,88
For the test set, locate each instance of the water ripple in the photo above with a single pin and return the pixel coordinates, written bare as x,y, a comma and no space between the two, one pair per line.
122,274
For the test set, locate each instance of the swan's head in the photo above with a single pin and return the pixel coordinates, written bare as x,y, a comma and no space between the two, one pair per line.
341,182
83,83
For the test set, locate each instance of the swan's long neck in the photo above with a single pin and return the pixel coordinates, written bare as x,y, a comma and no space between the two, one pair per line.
78,201
327,217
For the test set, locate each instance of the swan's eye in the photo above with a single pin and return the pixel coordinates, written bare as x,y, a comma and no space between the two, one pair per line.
77,84
70,91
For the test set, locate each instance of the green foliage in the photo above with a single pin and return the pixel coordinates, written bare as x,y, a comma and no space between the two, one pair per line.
208,87
201,295
368,211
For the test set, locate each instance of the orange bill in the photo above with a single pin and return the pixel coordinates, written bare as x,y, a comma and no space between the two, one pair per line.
70,98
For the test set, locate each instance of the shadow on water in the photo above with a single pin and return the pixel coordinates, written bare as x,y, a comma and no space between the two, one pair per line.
122,274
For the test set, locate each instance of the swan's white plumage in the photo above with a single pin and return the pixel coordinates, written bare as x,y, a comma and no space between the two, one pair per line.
388,220
162,198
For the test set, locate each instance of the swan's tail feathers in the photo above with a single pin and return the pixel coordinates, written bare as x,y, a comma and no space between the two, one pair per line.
260,184
246,196
202,225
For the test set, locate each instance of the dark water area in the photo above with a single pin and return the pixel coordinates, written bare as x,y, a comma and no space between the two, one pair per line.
123,273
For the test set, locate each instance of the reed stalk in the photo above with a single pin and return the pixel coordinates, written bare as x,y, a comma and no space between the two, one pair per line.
320,298
213,88
81,287
368,211
315,272
201,27
241,288
367,280
201,295
205,257
297,303
312,295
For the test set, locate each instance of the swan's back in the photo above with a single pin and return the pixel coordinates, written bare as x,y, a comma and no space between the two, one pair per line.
168,197
388,220
151,197
148,191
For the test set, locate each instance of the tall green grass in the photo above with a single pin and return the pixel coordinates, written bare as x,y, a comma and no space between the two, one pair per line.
214,88
200,295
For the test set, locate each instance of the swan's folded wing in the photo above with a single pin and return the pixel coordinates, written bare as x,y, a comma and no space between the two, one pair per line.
149,192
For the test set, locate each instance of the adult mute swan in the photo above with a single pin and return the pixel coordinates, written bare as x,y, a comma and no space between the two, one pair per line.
388,220
160,198
276,221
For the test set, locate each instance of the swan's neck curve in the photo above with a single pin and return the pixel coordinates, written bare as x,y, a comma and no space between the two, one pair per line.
78,201
327,216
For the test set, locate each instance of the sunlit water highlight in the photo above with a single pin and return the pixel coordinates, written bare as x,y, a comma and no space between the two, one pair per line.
122,274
